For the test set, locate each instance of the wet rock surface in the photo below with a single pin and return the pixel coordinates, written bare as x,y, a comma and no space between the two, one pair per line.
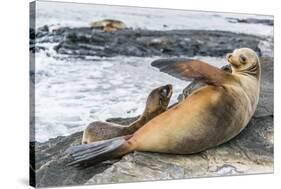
250,152
92,42
268,22
51,160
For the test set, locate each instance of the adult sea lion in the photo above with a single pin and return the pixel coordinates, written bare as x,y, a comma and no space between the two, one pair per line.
108,25
156,103
210,116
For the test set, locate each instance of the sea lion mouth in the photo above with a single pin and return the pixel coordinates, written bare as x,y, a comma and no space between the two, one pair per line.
228,57
230,61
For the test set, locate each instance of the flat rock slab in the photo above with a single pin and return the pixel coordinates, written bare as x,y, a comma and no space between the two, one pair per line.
51,159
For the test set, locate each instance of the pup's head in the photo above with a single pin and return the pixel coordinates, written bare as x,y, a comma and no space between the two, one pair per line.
158,99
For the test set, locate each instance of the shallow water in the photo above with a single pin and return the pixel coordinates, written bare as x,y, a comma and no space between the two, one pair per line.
74,14
70,93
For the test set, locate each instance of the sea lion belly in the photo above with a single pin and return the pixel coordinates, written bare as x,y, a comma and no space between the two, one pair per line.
210,116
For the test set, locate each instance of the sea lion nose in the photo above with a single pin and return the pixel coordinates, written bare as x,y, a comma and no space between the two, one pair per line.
164,92
167,91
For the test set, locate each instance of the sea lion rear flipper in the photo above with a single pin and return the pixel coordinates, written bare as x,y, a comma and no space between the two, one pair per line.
87,154
192,69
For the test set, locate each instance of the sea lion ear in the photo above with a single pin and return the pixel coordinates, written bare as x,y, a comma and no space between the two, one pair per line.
188,69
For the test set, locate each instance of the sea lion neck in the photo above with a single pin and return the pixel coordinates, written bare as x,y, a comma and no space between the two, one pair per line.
254,71
142,120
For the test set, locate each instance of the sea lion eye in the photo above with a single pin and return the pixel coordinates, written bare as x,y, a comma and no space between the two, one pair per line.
243,59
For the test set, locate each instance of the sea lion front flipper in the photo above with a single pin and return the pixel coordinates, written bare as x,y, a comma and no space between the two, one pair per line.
192,69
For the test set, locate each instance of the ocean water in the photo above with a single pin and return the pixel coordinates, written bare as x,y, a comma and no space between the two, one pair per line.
57,14
71,93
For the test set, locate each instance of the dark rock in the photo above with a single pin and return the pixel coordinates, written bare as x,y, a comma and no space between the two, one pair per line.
34,48
268,22
42,31
90,42
44,28
51,160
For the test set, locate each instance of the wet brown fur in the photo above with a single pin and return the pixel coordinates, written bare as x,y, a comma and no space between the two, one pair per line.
155,105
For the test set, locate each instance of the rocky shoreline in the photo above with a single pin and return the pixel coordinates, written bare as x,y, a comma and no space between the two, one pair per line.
251,152
251,21
81,42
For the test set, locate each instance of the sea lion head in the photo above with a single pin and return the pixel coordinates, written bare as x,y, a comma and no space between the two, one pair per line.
244,60
158,99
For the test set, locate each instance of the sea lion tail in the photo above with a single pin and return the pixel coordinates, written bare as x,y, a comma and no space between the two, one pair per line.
93,153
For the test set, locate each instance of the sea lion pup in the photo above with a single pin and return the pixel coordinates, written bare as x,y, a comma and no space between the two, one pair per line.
156,103
210,116
108,25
